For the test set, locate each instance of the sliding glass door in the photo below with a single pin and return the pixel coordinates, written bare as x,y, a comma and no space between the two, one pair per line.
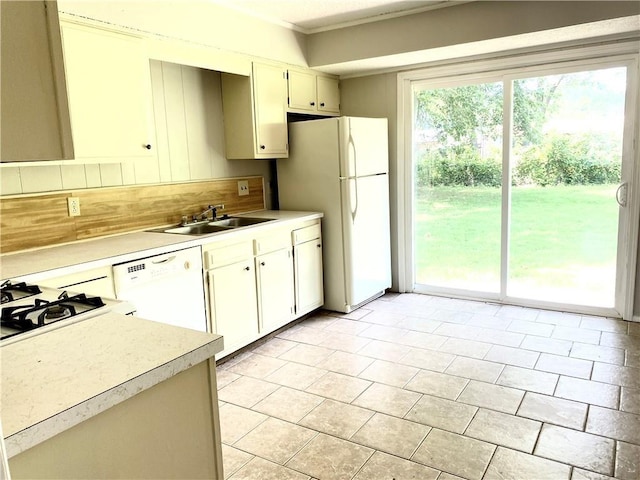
520,185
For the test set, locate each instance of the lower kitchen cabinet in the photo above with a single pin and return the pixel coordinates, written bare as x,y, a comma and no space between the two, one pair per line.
97,281
274,272
233,304
307,254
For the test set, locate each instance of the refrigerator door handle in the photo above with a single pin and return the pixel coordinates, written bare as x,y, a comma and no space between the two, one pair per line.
353,193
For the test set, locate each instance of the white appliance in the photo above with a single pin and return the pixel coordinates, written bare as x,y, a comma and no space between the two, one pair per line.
339,166
165,288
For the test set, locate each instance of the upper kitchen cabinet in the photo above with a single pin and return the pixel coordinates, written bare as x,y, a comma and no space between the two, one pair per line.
313,93
108,84
35,114
255,114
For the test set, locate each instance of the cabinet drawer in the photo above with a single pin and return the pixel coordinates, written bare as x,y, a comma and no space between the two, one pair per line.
228,254
305,234
274,241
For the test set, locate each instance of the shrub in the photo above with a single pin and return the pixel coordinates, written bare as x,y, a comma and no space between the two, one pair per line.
464,168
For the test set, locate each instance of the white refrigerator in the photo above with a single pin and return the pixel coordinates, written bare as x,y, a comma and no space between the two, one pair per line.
339,166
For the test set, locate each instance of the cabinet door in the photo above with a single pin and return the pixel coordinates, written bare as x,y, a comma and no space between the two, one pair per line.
308,276
109,93
270,97
233,303
275,288
97,281
302,90
328,95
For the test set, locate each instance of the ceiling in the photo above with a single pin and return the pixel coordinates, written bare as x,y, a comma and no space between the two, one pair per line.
310,16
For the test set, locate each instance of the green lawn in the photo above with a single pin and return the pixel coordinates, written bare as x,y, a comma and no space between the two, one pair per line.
561,237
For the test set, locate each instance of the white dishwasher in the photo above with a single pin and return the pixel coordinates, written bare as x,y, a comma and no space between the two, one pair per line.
165,288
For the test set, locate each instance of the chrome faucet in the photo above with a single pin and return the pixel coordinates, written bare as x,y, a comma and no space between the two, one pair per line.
213,209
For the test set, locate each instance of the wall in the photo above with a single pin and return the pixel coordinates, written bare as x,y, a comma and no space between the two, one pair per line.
187,108
456,25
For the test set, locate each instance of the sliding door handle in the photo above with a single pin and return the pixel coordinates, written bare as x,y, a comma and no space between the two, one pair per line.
621,194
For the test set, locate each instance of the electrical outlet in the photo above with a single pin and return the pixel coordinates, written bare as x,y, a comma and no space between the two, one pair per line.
74,206
243,187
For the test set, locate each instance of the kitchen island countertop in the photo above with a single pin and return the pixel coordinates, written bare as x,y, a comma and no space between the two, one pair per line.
53,382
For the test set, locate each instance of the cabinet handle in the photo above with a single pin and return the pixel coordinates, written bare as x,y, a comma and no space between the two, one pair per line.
148,146
247,268
319,245
262,263
262,147
313,104
322,104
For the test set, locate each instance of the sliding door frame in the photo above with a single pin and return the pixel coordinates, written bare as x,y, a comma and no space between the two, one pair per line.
508,70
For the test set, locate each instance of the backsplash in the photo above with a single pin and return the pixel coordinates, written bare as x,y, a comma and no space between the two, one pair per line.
42,220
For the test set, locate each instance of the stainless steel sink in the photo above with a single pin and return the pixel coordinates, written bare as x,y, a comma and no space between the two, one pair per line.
233,222
204,228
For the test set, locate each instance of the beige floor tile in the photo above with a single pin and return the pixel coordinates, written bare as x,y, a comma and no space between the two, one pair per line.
307,354
330,458
344,342
558,411
296,375
383,466
418,324
614,424
475,369
236,422
336,418
232,360
441,413
225,377
504,429
298,333
391,435
509,464
384,318
525,379
358,314
573,367
595,393
489,321
579,474
531,328
319,320
233,459
274,347
275,440
288,404
580,449
634,329
384,350
559,318
390,400
437,384
604,324
598,353
339,387
627,461
498,337
512,356
466,348
576,334
260,469
246,391
616,375
630,400
517,313
257,366
346,363
451,316
546,345
381,332
388,373
427,359
448,476
632,359
620,340
452,453
422,340
348,327
494,397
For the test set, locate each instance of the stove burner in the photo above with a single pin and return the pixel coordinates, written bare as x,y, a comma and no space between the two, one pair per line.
58,311
11,292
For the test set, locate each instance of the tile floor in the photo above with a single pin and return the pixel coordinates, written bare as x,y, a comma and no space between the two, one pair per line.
420,387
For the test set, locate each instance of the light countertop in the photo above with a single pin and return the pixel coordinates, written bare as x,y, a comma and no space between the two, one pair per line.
54,381
94,253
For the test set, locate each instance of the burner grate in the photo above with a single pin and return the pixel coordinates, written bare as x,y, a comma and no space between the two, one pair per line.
15,291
